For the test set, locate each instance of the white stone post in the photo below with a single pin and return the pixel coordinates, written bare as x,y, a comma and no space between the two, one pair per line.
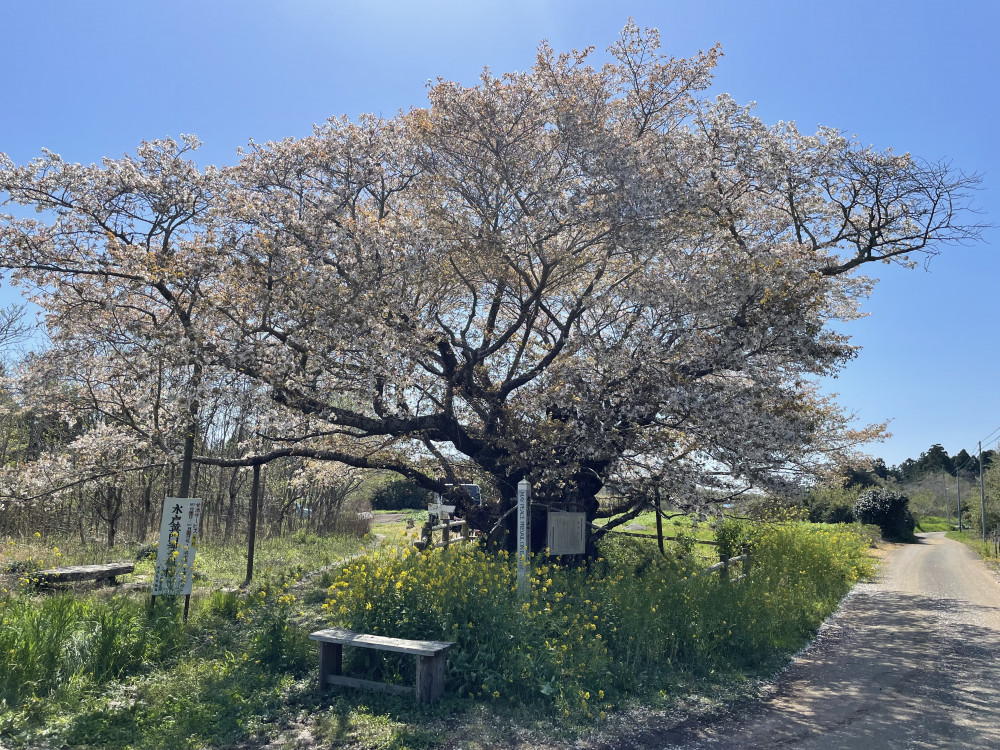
523,536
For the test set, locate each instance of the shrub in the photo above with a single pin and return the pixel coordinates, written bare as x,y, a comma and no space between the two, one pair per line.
975,514
733,535
774,509
400,494
273,641
22,567
887,509
871,533
832,505
832,512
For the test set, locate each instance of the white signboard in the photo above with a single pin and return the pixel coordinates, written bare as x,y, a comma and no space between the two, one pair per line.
178,543
567,533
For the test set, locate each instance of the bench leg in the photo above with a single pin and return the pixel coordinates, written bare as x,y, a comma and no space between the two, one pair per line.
430,678
331,661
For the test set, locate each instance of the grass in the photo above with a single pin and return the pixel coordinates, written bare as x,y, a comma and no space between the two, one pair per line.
35,553
986,550
218,565
933,523
105,671
96,668
394,529
226,564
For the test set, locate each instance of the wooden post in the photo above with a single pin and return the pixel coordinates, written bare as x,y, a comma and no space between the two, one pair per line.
331,661
724,572
430,678
748,563
446,531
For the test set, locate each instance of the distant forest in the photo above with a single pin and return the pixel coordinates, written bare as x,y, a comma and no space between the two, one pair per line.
936,486
933,461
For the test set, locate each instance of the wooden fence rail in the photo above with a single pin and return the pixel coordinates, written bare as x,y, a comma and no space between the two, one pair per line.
722,567
445,527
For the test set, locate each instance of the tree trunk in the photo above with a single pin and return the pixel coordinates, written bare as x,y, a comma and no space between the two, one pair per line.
147,508
252,529
234,492
186,463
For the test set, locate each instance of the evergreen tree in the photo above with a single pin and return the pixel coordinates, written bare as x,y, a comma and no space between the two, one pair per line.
935,458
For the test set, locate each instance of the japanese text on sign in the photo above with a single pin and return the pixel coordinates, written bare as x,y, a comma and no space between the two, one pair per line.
178,542
567,533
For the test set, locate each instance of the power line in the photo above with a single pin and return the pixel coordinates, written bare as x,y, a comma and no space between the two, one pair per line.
973,458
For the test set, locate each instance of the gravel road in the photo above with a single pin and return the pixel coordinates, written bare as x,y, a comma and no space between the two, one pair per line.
910,660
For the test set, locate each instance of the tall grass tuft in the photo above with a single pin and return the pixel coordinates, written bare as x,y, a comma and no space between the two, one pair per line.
57,642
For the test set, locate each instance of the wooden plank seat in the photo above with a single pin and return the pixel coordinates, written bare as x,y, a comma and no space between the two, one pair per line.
107,572
430,657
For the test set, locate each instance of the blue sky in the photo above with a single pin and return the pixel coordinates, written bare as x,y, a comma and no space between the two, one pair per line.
92,79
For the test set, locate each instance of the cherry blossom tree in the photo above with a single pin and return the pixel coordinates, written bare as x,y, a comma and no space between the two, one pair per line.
585,276
115,261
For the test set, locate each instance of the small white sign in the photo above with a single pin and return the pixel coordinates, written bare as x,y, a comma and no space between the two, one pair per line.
178,545
567,533
438,508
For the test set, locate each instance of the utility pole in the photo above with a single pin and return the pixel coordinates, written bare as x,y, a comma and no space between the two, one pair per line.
982,491
958,484
947,508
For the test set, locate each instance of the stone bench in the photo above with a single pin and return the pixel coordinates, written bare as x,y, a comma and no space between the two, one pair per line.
83,573
430,657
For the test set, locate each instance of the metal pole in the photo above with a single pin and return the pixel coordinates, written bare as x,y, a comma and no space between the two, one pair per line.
523,535
982,491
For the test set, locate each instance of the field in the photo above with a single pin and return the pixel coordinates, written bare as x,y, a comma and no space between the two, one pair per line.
933,523
97,668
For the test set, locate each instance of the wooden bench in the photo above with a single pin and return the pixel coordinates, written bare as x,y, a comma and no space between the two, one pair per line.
83,573
430,662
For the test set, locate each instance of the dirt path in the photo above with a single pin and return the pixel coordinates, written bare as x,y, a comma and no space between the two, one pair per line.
909,661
